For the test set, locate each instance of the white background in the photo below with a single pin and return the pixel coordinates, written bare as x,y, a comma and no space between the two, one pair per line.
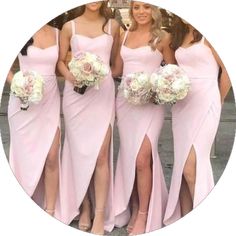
19,20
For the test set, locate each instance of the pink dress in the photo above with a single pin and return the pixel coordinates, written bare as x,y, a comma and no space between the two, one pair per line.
87,119
194,122
32,131
134,123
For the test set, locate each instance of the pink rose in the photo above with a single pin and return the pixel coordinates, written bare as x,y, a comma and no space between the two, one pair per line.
87,68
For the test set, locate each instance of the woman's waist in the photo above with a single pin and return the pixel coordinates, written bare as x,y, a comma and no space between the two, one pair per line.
107,80
42,69
47,75
129,69
203,88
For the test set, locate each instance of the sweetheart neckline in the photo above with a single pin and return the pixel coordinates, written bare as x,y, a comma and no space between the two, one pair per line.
43,48
92,37
147,46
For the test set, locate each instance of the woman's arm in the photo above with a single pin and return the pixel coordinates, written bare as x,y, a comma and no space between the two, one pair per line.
224,82
64,45
10,76
117,65
116,40
167,52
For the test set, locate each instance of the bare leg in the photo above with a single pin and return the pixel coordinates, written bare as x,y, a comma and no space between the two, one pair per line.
188,183
186,201
101,184
85,214
134,207
144,184
51,174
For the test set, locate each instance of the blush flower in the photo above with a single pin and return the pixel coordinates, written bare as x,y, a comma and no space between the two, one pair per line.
28,87
169,84
89,70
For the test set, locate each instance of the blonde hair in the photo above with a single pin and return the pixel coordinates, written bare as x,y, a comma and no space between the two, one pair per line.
155,30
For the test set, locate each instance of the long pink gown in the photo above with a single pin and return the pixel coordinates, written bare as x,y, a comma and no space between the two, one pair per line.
195,120
87,119
134,123
32,131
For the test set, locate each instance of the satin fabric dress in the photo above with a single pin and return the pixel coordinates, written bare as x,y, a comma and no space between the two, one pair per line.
195,120
32,131
134,123
87,119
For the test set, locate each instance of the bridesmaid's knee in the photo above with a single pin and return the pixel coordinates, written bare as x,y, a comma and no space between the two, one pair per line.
189,175
143,162
102,159
51,162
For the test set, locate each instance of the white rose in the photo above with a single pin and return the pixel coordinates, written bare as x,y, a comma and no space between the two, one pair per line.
153,79
19,92
104,70
90,57
91,78
143,79
126,93
166,97
134,85
97,66
178,85
130,76
181,95
18,79
35,97
162,83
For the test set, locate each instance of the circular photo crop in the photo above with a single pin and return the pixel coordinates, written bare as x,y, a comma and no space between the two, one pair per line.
118,117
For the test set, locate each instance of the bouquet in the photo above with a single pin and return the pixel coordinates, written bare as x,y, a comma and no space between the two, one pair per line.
28,87
169,84
136,88
88,69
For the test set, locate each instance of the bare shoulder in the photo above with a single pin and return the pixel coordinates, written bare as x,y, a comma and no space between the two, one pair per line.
66,26
67,29
166,37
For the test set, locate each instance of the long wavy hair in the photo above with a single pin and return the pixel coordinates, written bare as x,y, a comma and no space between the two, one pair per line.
23,51
104,11
179,30
155,30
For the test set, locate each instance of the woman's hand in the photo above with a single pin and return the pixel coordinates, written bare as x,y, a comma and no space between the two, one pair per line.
70,77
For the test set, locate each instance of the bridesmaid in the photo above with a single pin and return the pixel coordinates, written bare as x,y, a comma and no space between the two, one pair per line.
139,180
194,120
88,150
35,133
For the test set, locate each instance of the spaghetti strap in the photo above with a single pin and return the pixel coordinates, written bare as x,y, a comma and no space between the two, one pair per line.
125,37
73,27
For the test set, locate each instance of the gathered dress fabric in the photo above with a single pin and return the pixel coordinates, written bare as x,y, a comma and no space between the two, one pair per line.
87,119
195,121
135,122
32,131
